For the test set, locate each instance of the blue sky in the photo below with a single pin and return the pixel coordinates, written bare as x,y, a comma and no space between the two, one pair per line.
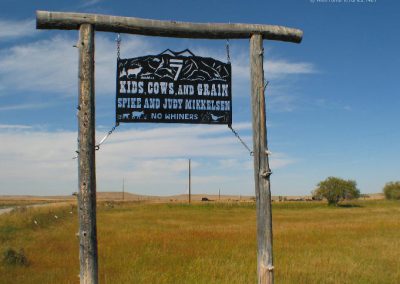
332,103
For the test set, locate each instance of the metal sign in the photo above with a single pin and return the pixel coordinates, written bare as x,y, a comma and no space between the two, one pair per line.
174,87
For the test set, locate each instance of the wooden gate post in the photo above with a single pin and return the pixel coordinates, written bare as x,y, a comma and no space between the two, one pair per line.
87,170
262,172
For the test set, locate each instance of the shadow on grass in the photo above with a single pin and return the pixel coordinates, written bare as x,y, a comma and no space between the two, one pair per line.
350,206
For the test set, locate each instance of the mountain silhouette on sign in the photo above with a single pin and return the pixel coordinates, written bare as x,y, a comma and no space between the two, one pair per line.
185,52
167,65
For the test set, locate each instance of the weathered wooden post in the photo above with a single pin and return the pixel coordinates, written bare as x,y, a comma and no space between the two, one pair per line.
262,172
87,165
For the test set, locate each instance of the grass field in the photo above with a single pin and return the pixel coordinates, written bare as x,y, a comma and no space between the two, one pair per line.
208,243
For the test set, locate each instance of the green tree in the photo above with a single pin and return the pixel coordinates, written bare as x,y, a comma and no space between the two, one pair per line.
336,189
392,190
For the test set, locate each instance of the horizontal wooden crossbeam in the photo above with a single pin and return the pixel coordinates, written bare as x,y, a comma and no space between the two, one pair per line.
130,25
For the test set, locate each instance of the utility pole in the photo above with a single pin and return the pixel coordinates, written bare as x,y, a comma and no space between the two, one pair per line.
123,188
190,183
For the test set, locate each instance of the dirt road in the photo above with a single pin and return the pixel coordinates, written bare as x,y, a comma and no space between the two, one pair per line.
9,209
6,210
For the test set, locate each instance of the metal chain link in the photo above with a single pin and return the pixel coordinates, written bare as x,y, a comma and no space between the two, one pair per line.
228,56
118,40
240,139
97,147
266,83
228,59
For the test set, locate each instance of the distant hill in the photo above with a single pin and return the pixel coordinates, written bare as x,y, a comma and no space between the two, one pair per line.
117,196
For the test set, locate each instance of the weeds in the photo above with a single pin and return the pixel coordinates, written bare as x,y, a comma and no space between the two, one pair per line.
12,257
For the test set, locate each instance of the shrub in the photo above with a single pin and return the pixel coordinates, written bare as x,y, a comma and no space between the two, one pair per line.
392,190
336,189
13,257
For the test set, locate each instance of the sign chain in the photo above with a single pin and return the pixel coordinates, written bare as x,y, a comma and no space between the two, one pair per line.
228,56
240,139
266,85
228,59
267,152
118,40
97,147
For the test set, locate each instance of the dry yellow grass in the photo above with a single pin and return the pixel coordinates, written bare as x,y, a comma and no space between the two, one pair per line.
209,243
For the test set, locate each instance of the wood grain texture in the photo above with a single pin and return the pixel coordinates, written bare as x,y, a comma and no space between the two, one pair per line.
262,171
87,165
130,25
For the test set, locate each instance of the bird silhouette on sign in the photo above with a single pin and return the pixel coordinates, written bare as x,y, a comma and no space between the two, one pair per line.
216,118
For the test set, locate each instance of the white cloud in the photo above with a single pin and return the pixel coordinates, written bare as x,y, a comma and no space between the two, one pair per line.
281,162
14,29
51,65
282,94
276,69
172,142
25,106
42,66
36,162
14,126
153,161
329,103
282,101
276,161
87,3
228,163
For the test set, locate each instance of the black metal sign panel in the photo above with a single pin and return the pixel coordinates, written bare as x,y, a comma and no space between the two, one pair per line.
174,88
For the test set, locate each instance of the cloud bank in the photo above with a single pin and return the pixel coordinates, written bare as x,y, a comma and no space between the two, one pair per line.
152,161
